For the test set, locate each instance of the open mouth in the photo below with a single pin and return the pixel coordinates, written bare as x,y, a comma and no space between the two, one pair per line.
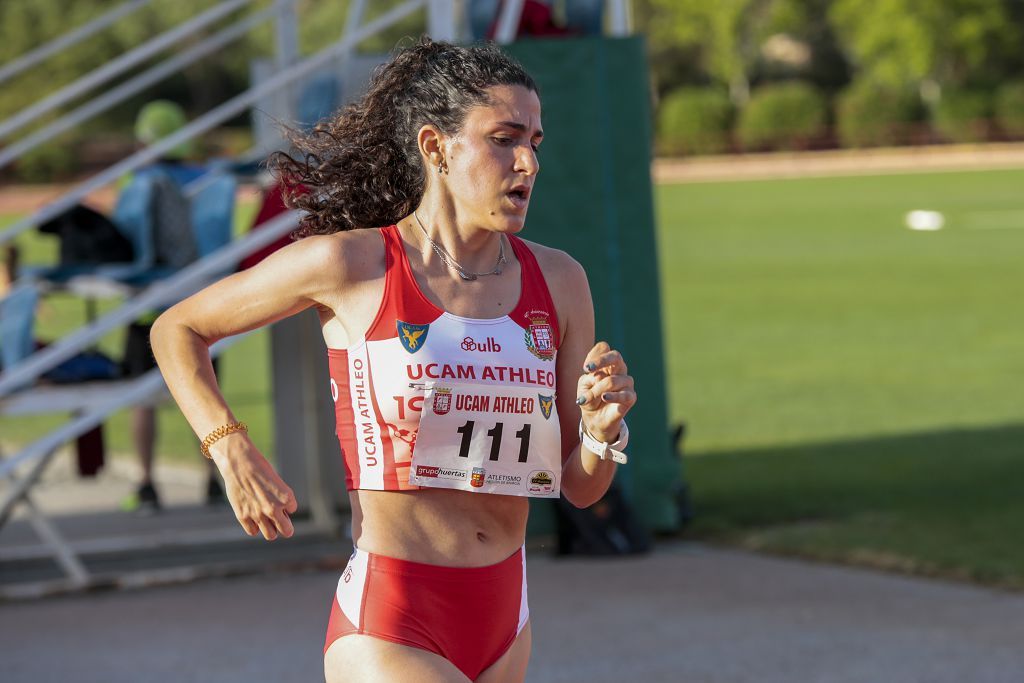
519,197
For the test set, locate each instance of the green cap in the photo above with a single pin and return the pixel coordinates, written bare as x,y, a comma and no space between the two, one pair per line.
157,120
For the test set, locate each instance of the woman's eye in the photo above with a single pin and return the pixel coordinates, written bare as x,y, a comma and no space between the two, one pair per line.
503,141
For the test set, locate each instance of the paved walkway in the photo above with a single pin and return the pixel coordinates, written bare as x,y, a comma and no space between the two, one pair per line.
687,613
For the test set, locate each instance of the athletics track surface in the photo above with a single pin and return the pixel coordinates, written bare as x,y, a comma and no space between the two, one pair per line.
688,613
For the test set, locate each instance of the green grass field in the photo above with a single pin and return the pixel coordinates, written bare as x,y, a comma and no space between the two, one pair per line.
852,388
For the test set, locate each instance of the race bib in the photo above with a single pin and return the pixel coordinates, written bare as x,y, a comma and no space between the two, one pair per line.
485,438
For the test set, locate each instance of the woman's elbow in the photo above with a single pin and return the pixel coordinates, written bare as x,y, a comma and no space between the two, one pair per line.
579,499
168,331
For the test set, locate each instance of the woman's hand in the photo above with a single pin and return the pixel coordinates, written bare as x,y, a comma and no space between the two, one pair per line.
604,392
260,499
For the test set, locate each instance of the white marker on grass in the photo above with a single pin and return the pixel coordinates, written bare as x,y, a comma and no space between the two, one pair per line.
924,220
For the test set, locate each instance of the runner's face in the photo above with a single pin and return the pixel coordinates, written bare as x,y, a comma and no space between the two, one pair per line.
492,162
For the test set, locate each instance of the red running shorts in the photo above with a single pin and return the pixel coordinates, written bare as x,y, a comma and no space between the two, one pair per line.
468,615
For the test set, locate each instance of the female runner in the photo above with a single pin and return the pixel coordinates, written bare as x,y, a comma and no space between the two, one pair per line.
445,332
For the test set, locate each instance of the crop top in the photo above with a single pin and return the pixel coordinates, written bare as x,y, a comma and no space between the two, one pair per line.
378,383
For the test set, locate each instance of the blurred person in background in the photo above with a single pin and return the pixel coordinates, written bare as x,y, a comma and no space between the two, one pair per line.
173,227
8,269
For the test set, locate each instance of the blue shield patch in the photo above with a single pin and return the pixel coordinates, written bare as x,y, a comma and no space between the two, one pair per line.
546,403
412,336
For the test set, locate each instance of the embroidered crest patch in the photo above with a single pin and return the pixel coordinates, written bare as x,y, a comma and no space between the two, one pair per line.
413,337
540,338
545,403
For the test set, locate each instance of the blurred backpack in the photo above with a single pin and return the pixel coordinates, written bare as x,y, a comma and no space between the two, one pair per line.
608,527
174,240
88,237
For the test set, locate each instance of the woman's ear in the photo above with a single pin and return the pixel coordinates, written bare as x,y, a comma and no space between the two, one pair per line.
431,143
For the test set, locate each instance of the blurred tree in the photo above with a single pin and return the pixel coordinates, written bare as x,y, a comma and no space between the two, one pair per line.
925,43
725,32
737,42
802,45
25,25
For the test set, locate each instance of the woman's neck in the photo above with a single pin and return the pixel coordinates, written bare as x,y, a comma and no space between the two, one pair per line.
474,248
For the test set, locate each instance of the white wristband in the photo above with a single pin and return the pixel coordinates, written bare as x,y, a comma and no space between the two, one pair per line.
606,450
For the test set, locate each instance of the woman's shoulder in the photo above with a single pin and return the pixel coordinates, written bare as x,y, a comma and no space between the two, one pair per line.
566,281
348,256
561,271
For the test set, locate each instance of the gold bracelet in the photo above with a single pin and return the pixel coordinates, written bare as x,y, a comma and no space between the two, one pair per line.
220,433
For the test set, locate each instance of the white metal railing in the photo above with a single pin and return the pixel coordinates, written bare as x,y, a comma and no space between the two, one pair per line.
118,66
508,21
137,392
182,283
179,285
136,84
69,39
210,119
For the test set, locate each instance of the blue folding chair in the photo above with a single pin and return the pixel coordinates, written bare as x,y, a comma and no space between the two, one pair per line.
318,99
133,216
213,212
17,318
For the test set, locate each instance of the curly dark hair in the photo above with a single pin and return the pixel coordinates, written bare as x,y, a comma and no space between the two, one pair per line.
361,167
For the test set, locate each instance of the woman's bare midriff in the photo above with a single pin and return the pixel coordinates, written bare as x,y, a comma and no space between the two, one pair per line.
437,526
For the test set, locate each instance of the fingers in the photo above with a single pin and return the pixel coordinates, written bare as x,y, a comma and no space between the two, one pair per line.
270,519
605,359
611,389
283,523
625,398
261,501
267,527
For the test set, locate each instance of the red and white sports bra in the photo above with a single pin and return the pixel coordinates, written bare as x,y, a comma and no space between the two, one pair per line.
378,383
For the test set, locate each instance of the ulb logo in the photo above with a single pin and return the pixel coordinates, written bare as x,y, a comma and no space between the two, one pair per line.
546,403
442,401
412,336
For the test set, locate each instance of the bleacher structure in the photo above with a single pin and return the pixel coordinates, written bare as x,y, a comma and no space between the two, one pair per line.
303,417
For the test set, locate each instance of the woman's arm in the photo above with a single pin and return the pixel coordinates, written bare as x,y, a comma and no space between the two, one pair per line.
299,276
607,389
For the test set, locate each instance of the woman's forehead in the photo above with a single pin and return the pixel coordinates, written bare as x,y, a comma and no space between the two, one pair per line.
508,103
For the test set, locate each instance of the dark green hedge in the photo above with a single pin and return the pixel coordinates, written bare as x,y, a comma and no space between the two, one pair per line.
782,116
963,115
868,115
1009,108
694,121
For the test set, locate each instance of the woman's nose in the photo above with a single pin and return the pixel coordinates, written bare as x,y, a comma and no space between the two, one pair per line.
527,162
